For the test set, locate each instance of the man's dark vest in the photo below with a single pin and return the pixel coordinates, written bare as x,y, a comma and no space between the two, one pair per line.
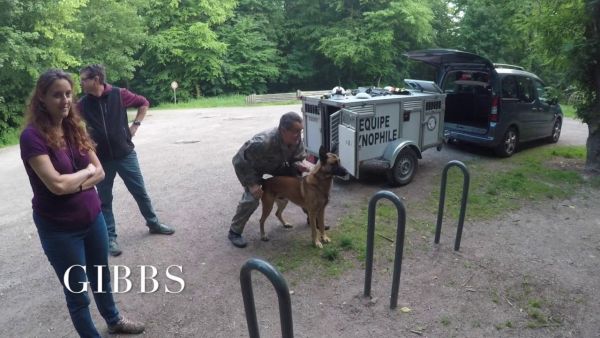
106,121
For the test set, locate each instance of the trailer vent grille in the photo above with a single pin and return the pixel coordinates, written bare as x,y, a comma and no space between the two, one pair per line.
433,105
311,109
412,105
366,109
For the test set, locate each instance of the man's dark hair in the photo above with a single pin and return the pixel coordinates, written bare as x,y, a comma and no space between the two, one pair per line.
288,119
95,70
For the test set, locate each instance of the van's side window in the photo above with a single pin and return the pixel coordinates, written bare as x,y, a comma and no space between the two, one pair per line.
509,87
525,88
541,92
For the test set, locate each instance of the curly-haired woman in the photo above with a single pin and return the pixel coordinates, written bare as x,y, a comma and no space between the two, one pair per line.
63,170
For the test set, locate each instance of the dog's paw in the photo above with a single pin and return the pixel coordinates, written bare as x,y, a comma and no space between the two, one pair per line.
287,225
325,239
318,244
264,238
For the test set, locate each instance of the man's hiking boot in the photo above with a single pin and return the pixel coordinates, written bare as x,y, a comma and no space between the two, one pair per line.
237,239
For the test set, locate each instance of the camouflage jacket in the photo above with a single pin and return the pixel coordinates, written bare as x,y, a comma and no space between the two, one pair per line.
266,153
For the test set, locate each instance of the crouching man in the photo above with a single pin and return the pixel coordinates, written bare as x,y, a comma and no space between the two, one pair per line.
277,152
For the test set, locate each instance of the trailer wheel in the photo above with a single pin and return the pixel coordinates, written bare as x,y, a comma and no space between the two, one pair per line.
404,169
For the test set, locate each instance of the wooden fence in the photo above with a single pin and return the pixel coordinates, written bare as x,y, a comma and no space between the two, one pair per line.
283,97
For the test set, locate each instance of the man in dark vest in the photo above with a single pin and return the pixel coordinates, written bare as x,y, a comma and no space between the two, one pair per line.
104,109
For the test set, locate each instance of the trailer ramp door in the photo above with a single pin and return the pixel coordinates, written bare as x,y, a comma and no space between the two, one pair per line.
334,122
347,149
312,128
347,141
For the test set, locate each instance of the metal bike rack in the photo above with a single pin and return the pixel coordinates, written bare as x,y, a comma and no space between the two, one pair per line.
463,203
283,295
399,244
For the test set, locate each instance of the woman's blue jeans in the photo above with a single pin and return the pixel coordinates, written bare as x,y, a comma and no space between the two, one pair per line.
88,248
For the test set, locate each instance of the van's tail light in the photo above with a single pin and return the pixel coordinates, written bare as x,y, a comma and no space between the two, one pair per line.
493,117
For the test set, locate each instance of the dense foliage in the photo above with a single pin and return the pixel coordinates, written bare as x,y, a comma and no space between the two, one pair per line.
213,47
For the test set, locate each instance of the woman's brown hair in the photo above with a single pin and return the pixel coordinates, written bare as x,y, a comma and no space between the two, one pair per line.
38,116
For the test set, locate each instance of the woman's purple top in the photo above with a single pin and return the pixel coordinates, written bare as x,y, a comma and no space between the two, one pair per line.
65,212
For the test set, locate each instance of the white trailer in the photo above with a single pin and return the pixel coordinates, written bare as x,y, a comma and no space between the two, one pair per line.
388,130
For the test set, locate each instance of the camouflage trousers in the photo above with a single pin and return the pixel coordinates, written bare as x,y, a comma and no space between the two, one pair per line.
245,209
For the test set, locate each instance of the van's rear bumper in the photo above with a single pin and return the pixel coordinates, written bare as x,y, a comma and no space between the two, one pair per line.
485,140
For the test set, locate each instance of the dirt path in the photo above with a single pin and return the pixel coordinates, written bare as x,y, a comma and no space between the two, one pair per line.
545,252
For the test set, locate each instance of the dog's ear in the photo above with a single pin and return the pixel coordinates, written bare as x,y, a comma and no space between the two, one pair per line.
322,154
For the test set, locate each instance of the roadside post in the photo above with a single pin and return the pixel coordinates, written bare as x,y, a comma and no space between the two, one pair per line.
174,86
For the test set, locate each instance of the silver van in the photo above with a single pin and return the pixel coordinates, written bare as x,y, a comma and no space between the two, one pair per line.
493,105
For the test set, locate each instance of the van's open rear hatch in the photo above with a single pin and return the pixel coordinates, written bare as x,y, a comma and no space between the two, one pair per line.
465,78
468,99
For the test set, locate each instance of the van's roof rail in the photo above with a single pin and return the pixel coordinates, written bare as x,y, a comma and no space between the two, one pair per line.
504,65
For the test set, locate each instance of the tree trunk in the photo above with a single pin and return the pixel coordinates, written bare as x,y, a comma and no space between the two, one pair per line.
592,33
592,162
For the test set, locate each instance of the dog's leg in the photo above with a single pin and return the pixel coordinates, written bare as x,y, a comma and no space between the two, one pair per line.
281,204
313,230
267,205
307,219
321,221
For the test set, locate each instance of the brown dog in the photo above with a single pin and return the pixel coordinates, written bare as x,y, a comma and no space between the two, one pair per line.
310,192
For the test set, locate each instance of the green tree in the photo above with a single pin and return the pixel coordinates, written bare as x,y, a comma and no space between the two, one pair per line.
355,42
182,46
114,32
34,36
251,59
252,35
304,66
442,23
567,38
489,28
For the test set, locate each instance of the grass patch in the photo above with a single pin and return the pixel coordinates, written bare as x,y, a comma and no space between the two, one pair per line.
524,177
508,324
219,101
495,296
346,242
496,188
529,296
535,303
10,137
207,102
568,111
301,255
537,318
348,246
330,253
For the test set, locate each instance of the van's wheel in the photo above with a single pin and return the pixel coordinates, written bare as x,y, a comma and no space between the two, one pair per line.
556,131
404,169
509,143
